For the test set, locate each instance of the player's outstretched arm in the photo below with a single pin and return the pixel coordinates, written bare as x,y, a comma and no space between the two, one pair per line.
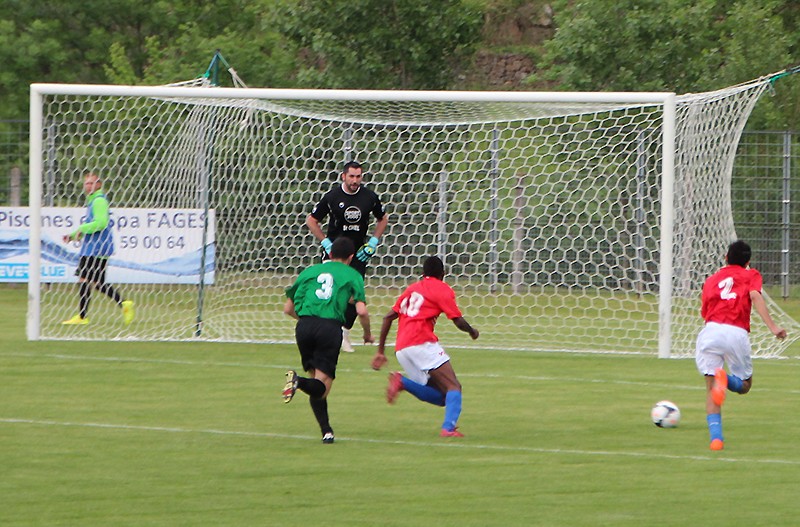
464,326
763,312
363,319
380,226
380,356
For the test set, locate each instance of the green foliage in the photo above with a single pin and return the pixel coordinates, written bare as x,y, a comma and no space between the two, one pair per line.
674,45
380,44
133,42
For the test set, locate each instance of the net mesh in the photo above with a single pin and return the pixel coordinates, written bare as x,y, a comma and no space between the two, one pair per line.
547,215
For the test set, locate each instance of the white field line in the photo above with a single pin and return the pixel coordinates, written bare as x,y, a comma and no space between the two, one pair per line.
440,444
486,375
443,444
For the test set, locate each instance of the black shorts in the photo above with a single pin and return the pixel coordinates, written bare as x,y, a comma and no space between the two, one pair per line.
92,269
319,341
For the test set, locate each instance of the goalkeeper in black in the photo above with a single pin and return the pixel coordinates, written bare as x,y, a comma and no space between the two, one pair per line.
348,206
318,299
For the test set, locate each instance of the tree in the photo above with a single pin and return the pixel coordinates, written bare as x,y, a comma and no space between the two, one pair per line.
380,43
133,42
244,32
675,45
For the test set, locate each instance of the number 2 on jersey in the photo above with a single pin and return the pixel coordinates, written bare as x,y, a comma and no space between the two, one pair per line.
727,289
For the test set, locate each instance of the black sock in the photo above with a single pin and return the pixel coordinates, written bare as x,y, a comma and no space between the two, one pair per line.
85,292
313,387
108,290
350,316
320,408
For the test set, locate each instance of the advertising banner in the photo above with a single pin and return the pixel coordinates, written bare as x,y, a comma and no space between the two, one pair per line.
151,246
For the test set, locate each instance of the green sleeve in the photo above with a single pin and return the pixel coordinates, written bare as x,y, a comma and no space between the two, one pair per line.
359,294
100,221
290,291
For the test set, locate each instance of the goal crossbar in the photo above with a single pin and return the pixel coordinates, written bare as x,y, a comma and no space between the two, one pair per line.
554,211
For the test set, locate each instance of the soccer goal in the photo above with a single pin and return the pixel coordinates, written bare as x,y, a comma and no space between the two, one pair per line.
567,221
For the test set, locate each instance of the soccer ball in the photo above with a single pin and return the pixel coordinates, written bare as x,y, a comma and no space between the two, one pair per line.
665,414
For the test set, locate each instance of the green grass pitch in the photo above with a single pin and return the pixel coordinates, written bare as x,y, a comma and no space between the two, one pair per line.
133,434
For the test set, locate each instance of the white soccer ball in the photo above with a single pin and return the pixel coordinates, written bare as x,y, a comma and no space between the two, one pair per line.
666,414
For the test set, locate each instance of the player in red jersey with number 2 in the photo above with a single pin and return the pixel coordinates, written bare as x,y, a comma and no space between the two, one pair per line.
728,297
429,375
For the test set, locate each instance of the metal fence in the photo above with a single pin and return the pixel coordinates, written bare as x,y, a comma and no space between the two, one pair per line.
765,195
13,162
765,199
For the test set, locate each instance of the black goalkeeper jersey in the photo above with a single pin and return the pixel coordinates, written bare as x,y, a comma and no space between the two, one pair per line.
348,213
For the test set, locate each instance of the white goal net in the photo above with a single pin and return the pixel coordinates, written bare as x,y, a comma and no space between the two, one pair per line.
567,221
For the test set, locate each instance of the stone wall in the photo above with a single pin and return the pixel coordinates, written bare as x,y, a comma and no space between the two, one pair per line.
498,65
502,70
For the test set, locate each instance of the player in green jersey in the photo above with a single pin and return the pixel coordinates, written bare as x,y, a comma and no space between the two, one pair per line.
318,300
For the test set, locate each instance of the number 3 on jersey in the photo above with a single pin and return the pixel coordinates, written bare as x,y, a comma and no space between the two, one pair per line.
411,305
726,286
325,290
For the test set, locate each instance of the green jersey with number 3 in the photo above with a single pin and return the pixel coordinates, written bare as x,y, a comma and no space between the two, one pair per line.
323,290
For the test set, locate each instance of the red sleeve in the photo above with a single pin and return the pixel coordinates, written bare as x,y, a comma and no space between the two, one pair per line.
756,282
448,302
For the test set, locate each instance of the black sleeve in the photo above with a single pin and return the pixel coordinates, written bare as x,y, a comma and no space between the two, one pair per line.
377,208
321,209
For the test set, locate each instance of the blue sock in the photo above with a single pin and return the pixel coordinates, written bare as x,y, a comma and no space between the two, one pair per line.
715,426
452,410
735,384
423,392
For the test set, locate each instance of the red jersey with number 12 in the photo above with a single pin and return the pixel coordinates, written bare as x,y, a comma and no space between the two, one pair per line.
419,306
726,296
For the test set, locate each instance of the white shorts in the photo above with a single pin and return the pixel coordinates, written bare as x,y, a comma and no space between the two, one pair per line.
418,360
723,343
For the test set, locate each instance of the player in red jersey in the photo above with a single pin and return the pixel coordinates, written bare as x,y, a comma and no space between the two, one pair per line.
429,375
728,297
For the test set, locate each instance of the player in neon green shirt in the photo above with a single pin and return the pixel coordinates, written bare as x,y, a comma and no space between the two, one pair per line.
97,245
318,300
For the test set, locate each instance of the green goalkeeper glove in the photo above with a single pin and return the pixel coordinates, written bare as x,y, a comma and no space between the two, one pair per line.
368,249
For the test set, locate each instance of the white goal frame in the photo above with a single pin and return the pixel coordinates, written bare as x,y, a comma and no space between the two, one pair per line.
568,221
667,101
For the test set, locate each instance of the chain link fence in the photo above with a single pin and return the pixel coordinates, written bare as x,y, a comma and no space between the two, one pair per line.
765,196
13,162
765,199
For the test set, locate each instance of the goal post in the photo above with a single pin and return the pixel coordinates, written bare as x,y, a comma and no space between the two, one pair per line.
567,221
667,225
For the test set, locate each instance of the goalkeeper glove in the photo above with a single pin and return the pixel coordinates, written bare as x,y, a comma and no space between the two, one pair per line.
326,245
368,249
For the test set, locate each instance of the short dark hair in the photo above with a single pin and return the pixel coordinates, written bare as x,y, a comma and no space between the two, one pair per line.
342,248
349,165
433,266
739,253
